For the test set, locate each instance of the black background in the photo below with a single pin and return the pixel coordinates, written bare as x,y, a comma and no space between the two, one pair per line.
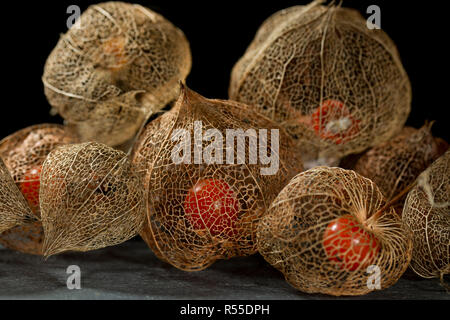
218,32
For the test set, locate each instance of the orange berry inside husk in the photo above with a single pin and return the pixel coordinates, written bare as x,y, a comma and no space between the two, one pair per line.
349,245
29,187
211,205
333,121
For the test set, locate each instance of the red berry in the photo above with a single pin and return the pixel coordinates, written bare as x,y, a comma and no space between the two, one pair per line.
29,186
333,121
347,243
212,205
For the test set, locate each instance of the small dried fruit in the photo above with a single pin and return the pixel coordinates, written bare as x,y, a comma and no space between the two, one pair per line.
333,121
24,153
30,187
108,74
327,226
13,207
396,164
90,198
211,206
200,205
427,214
349,245
335,85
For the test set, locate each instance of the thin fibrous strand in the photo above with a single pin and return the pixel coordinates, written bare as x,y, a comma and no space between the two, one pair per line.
393,201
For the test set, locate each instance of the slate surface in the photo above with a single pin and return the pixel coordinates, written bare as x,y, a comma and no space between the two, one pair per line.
131,271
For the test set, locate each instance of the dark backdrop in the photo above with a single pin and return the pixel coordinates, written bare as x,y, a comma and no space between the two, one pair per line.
219,32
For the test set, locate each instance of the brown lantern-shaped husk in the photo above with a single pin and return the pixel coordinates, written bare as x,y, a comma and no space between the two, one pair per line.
335,85
115,67
395,165
301,237
427,213
90,198
23,153
178,228
14,209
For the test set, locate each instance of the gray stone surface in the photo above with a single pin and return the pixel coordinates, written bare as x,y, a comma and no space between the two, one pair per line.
131,271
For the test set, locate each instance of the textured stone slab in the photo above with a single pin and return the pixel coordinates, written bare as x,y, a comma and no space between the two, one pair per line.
131,271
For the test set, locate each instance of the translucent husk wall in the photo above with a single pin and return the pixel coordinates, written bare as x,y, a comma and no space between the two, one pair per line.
319,71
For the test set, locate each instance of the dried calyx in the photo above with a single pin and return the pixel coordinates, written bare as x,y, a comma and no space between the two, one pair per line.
23,153
90,198
394,165
336,86
108,73
14,209
205,188
427,214
324,233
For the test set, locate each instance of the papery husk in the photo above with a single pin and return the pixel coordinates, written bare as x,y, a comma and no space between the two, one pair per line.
395,164
305,55
291,235
167,230
23,151
427,213
90,198
14,209
113,69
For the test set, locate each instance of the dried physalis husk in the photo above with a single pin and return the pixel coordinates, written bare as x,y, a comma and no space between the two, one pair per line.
442,145
427,213
350,161
205,190
395,164
90,198
119,63
24,153
335,85
14,209
329,231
